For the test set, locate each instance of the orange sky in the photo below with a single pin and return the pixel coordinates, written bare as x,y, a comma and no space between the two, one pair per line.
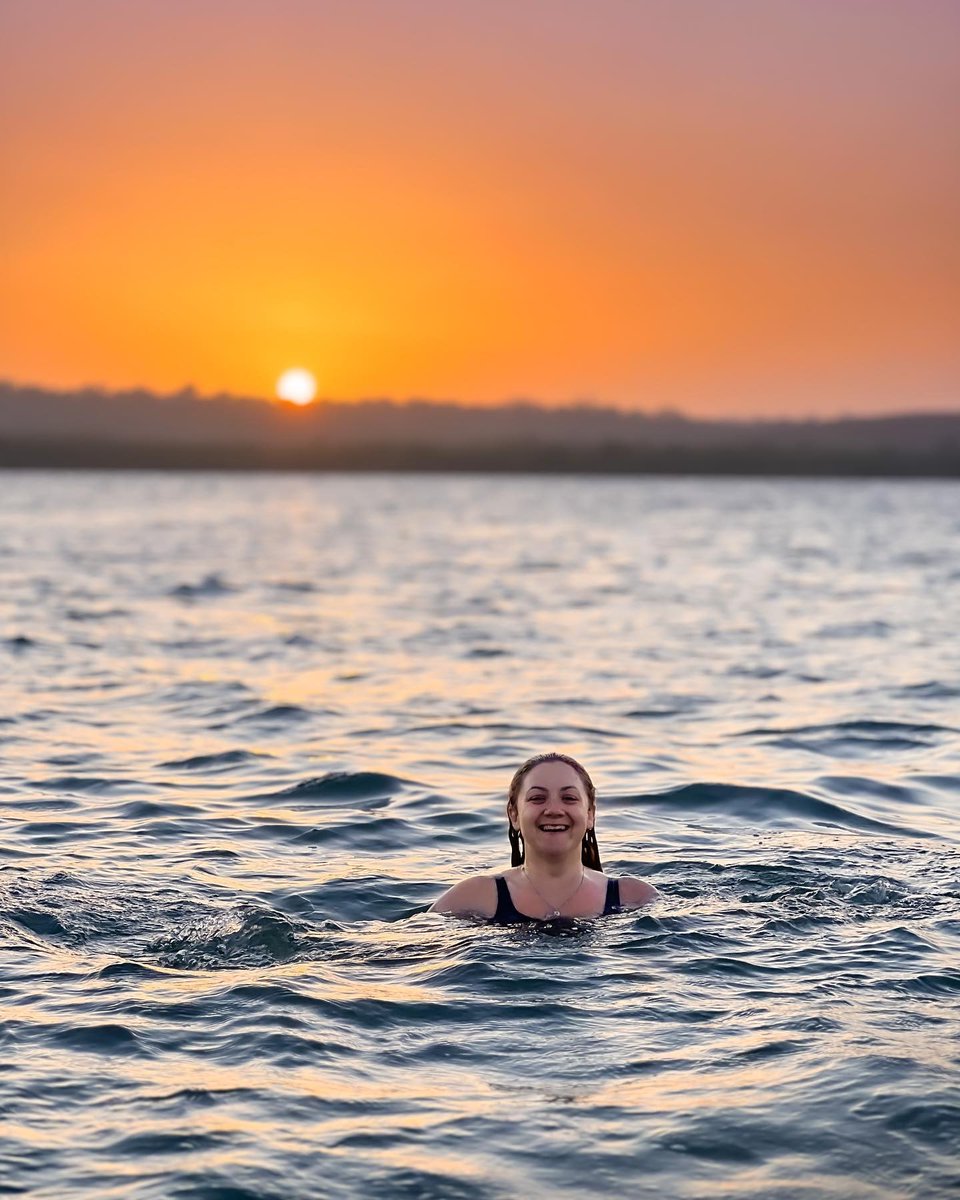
732,208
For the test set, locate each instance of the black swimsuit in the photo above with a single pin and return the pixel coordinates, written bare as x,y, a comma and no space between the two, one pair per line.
508,914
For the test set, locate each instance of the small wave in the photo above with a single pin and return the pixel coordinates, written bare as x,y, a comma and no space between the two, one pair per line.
138,1145
294,585
44,804
224,761
381,834
275,714
197,645
877,892
767,806
20,642
210,585
93,783
940,783
943,983
936,1123
145,810
95,614
655,714
858,785
246,937
107,1038
190,691
933,689
729,1147
129,970
77,913
855,629
878,728
77,759
340,786
757,672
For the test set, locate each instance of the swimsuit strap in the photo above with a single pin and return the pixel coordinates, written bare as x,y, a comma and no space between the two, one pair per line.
613,897
507,913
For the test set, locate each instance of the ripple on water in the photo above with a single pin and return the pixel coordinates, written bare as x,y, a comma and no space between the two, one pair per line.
224,760
211,585
779,808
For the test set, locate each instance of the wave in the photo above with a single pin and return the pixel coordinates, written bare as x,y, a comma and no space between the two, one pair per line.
274,714
857,726
19,641
210,585
341,786
851,738
95,614
852,630
777,807
226,760
932,689
294,585
246,936
95,784
105,1038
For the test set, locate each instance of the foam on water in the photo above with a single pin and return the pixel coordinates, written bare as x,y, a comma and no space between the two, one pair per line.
284,721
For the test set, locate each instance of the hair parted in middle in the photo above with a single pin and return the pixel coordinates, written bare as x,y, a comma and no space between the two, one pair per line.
589,851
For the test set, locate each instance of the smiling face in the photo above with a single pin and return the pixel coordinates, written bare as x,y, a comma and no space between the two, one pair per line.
552,809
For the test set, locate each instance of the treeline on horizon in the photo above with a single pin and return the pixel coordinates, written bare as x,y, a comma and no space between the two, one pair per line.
93,428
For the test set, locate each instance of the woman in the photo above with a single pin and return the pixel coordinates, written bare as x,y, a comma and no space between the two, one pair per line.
556,869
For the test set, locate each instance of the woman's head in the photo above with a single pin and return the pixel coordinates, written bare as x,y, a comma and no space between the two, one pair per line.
551,806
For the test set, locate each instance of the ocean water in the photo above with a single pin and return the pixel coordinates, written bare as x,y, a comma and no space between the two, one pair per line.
251,726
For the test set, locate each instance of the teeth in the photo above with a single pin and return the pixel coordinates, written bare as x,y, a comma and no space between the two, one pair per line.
554,828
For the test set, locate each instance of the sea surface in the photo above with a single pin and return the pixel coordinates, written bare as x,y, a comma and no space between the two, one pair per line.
252,725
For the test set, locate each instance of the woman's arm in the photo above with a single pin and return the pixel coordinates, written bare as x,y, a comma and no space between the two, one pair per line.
474,897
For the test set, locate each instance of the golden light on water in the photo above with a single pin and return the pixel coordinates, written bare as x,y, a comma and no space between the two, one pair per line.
297,385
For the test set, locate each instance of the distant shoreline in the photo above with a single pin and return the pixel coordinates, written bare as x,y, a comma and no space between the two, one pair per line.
98,430
754,460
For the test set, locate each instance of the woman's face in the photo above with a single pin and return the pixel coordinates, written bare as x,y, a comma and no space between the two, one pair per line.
552,809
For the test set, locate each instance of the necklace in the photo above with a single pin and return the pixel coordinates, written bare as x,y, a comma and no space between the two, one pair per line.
554,912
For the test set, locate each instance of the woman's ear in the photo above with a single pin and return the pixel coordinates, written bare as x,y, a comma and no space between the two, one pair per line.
513,816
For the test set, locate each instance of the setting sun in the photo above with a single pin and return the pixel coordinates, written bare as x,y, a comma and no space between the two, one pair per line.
297,386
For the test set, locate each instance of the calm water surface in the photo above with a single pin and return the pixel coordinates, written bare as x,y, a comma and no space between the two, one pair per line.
251,726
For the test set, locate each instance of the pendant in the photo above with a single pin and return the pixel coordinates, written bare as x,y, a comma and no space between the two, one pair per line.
552,916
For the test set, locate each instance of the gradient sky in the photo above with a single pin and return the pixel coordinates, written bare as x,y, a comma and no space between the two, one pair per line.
727,206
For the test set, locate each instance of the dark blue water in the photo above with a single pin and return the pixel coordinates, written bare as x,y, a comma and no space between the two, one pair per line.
250,727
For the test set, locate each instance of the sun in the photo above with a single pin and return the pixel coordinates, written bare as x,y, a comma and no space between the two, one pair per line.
296,385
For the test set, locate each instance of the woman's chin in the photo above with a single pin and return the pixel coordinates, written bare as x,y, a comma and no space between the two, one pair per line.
551,845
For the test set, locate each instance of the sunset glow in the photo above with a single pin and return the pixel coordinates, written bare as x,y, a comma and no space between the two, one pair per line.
297,386
731,209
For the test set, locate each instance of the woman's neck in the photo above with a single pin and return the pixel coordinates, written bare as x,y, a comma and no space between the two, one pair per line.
553,868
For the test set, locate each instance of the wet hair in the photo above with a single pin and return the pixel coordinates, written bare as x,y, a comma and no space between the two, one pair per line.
589,851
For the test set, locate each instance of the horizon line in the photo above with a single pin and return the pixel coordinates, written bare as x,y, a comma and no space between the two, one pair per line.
190,391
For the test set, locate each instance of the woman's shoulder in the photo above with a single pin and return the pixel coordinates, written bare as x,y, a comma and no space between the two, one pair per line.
475,896
634,893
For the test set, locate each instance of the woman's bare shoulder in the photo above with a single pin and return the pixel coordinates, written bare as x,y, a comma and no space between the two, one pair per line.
634,893
473,897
